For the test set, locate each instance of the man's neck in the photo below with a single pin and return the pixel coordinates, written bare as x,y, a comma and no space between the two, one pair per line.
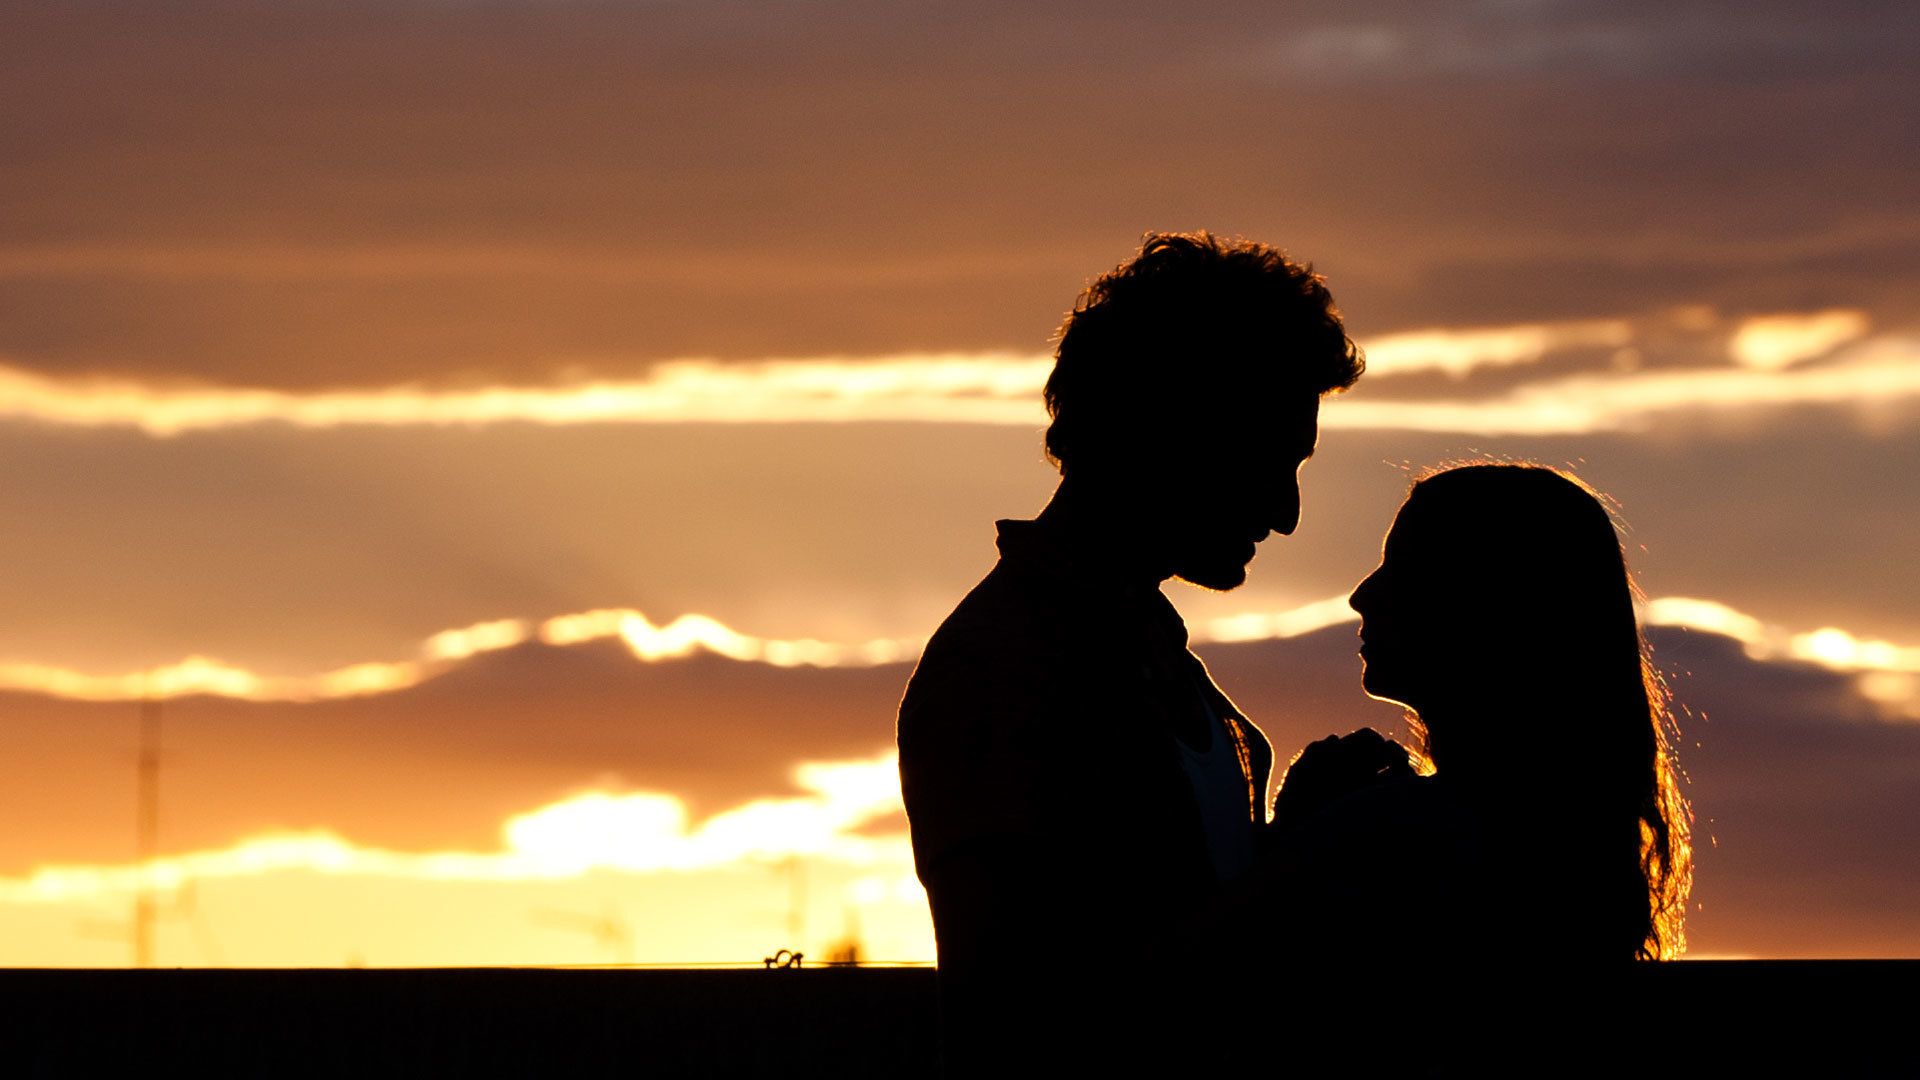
1098,534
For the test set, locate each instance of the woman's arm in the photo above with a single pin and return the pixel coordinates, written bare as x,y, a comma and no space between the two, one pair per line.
1333,768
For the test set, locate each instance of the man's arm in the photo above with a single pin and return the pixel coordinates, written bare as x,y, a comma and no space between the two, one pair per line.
981,773
987,775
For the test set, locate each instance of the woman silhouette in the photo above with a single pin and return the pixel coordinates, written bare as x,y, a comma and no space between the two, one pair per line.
1550,824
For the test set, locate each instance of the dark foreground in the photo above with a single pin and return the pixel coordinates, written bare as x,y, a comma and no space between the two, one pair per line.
1808,1018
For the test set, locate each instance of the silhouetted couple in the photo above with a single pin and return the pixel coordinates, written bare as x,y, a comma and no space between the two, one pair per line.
1090,813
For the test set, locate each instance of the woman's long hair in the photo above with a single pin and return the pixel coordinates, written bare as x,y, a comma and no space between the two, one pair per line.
1557,721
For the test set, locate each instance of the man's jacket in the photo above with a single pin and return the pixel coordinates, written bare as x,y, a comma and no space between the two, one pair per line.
1053,823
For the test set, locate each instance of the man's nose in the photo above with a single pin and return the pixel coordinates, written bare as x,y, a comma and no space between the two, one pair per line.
1286,515
1287,520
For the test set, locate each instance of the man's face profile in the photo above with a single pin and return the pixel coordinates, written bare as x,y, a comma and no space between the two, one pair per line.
1238,482
1185,395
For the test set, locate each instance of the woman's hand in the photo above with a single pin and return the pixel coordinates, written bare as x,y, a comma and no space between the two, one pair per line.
1336,766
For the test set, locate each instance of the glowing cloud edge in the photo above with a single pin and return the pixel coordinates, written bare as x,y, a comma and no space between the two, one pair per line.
633,832
1767,355
645,832
1882,664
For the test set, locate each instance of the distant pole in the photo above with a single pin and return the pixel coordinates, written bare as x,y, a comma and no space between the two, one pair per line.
147,830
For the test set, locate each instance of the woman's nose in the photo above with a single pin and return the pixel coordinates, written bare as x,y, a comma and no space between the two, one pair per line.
1362,595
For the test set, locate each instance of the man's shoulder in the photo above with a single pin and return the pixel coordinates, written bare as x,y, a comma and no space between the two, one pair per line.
1010,612
998,641
980,743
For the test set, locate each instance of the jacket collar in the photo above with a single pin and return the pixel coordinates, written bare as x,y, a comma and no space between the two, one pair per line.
1036,549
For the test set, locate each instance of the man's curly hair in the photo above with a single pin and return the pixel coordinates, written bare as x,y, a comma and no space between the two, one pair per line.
1191,318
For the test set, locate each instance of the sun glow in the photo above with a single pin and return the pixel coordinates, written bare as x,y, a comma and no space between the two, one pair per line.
599,876
637,832
709,888
1771,342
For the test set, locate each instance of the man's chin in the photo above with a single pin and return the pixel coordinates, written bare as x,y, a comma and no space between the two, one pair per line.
1217,578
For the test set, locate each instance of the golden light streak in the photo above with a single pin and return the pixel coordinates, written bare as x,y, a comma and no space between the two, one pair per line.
1873,375
204,675
1888,674
648,642
681,637
1710,615
689,633
478,638
1004,388
1264,626
1830,647
990,388
1770,342
627,832
1458,352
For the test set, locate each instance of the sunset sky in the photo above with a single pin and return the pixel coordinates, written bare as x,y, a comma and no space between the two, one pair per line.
525,444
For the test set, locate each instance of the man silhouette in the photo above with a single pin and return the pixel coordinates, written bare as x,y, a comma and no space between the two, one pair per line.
1077,787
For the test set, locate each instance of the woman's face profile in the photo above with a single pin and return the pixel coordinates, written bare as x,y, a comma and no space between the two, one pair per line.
1405,632
1477,583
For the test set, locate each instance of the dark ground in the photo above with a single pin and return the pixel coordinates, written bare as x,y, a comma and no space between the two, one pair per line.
1814,1018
